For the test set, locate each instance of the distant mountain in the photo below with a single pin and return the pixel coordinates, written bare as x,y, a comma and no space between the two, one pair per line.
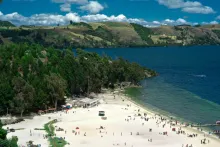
6,24
112,34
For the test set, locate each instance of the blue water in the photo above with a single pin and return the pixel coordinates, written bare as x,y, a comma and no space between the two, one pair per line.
188,85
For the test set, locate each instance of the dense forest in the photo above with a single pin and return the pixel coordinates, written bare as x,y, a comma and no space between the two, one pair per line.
34,77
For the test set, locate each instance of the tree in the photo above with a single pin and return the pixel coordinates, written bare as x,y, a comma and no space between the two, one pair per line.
56,86
53,73
4,142
6,93
3,133
24,94
71,22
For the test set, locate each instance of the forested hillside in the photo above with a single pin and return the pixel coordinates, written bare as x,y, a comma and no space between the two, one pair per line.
34,77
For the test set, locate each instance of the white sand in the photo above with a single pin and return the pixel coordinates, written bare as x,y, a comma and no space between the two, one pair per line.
88,121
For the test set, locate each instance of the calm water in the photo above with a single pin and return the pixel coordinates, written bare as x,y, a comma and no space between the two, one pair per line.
189,82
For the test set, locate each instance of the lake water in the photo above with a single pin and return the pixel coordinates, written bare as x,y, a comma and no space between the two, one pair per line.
188,85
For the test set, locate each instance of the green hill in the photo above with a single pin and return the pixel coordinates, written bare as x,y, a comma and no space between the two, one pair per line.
111,34
6,24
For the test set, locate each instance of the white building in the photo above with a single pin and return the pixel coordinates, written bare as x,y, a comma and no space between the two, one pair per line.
87,102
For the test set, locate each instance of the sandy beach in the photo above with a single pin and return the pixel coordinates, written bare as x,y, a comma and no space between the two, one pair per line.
127,124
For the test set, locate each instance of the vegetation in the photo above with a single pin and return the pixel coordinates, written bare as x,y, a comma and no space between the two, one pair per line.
217,32
101,32
6,23
144,33
35,78
54,141
108,34
82,24
4,142
49,128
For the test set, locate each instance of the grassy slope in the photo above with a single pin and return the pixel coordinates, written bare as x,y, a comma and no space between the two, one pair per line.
111,34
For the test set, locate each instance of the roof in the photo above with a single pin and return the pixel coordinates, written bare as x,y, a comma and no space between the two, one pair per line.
88,100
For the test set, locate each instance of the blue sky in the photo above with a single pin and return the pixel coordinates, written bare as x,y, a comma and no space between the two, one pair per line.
145,12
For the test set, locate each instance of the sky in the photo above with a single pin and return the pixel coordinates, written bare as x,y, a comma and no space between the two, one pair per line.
148,13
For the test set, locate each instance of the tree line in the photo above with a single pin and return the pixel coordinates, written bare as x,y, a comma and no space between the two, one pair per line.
34,77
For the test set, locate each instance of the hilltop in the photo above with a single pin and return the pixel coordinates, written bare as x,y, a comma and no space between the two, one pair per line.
6,24
111,34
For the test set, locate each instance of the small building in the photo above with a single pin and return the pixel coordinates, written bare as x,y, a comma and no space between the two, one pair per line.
87,102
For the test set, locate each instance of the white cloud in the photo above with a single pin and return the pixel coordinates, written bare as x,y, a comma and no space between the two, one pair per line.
65,7
72,16
187,6
218,17
181,21
40,19
213,22
66,4
54,19
102,17
201,10
92,7
169,21
156,22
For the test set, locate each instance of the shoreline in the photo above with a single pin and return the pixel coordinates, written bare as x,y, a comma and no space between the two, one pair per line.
175,118
122,117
